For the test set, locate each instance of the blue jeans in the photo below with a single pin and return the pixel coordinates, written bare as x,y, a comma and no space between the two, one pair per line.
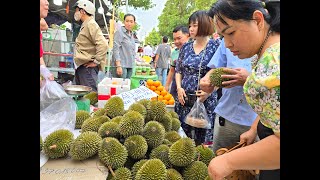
162,71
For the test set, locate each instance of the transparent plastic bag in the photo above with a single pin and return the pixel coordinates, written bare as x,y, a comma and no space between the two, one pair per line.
50,92
198,116
59,115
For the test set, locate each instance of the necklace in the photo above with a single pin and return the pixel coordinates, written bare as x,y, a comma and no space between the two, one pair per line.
256,56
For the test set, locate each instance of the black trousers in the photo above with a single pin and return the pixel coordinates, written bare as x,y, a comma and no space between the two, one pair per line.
87,76
264,132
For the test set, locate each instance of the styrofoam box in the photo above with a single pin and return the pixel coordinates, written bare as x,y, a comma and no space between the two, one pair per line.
111,86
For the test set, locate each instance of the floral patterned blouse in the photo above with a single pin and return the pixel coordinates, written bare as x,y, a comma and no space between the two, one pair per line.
262,88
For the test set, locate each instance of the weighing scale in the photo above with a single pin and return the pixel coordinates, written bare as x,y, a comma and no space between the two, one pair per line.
77,92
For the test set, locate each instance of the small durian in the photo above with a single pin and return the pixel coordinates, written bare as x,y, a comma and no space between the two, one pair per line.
136,167
81,116
157,109
99,112
85,145
92,96
136,146
176,124
173,174
154,133
94,123
139,108
166,121
161,152
109,129
172,136
132,123
57,143
205,154
195,171
152,169
182,152
174,114
114,107
215,77
117,119
120,174
112,153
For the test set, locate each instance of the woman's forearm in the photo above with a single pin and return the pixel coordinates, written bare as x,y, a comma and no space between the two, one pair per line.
262,155
178,80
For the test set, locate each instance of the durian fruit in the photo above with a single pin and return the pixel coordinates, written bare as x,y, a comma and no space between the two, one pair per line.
99,112
175,124
154,133
120,174
136,167
41,143
81,116
136,146
85,145
172,136
153,169
174,114
145,103
139,108
161,152
131,124
92,96
57,143
182,152
173,174
117,119
112,153
205,154
157,109
207,178
109,129
166,121
195,171
215,77
114,107
167,142
94,123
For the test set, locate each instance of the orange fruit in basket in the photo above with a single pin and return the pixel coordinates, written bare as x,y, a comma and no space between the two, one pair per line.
157,83
153,88
171,102
153,98
164,92
168,96
150,82
158,92
160,98
160,88
165,101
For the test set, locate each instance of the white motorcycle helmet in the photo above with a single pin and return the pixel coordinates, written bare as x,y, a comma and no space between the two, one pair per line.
86,5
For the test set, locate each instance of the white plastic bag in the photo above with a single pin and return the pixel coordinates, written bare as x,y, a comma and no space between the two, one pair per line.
198,116
50,92
59,115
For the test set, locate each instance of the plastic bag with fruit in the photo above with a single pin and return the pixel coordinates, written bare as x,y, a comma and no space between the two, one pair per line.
198,117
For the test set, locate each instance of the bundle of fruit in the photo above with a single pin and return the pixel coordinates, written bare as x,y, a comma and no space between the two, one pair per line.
163,95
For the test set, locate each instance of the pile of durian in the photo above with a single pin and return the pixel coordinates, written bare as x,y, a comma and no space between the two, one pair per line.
141,143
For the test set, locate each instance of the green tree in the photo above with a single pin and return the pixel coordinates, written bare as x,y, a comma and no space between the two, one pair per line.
177,12
153,37
144,4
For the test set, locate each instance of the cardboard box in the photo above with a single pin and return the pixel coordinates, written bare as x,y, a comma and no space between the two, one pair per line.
68,169
109,87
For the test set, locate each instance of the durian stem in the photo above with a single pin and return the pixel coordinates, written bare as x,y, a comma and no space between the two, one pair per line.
53,146
199,156
203,146
111,171
107,132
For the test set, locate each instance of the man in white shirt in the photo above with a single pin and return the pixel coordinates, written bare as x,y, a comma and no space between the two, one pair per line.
147,50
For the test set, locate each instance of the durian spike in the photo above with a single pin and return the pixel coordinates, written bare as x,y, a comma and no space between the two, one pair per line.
53,146
111,171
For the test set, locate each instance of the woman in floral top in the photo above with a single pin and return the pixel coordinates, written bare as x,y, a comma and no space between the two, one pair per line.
251,28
